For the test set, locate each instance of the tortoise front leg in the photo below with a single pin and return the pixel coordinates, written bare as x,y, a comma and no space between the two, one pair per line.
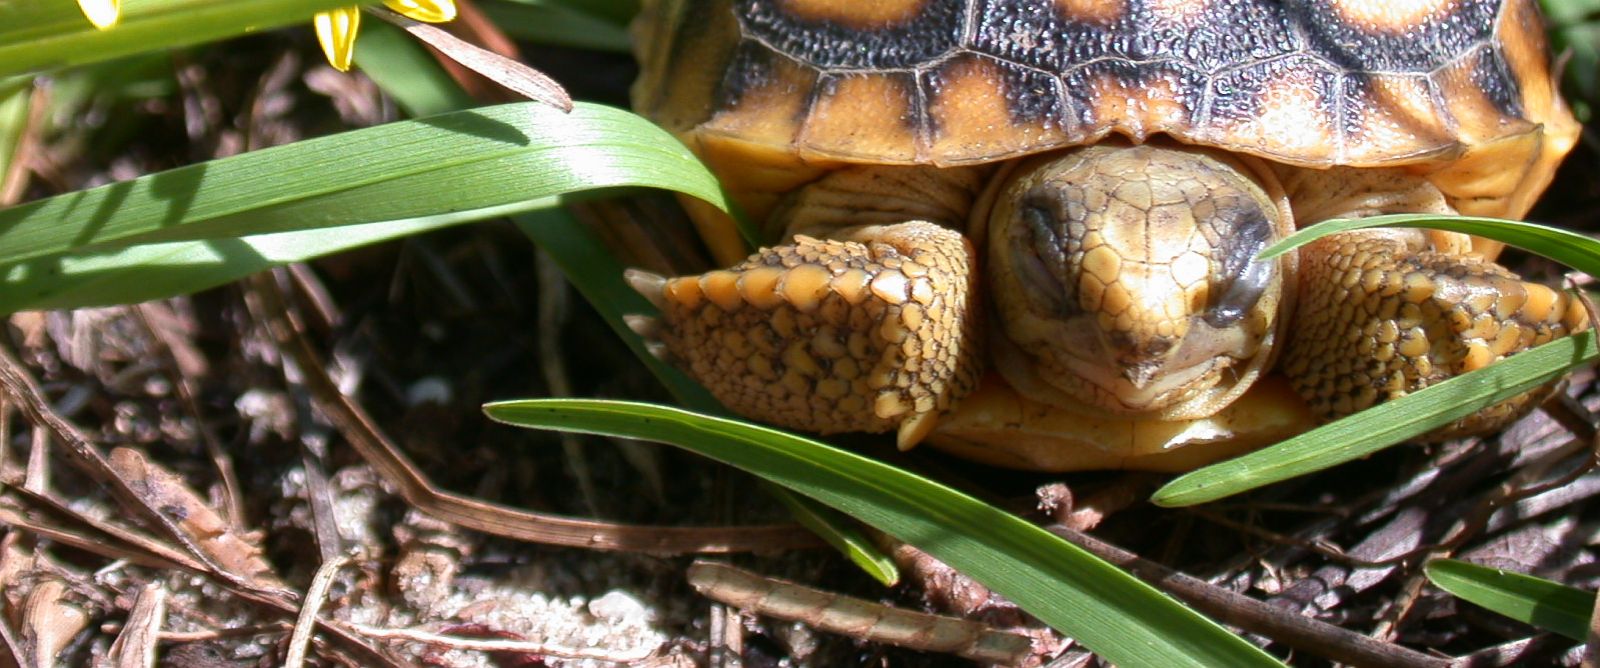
872,332
1382,313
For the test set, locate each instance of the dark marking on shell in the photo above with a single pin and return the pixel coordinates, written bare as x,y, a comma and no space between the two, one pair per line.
827,46
1494,78
751,68
1419,47
1222,63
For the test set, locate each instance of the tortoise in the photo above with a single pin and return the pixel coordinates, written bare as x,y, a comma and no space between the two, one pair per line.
1026,231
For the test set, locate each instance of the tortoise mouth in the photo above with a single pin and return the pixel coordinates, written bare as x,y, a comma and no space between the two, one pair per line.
1128,275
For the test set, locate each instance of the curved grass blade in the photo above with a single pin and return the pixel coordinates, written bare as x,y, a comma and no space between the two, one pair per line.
1117,616
840,534
1383,425
1569,248
155,271
1393,422
466,165
1548,605
42,34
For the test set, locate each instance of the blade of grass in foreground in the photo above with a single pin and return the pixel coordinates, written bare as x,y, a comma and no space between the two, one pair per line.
1122,619
1569,248
598,277
1381,426
465,166
482,159
1548,605
1395,421
155,271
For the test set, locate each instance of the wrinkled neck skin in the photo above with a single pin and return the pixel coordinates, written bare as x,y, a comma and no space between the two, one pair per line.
1123,278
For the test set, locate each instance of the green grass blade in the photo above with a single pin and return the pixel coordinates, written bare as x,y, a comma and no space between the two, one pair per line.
839,533
1548,605
1569,248
469,164
155,271
1381,426
16,101
558,25
45,34
1393,422
1117,616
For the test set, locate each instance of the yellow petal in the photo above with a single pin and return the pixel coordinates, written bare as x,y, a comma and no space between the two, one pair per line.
336,30
427,11
102,13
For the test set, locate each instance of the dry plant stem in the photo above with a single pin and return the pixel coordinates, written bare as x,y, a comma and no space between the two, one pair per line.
727,637
162,340
1300,632
1324,549
514,75
177,637
45,516
383,455
135,646
717,646
5,434
14,181
1521,652
319,497
19,388
38,475
316,595
856,617
487,645
309,286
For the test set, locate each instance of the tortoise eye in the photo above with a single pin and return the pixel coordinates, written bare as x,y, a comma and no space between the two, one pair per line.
1042,261
1241,279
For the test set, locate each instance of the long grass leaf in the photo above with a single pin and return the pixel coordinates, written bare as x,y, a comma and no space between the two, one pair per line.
467,165
1548,605
1383,425
1117,616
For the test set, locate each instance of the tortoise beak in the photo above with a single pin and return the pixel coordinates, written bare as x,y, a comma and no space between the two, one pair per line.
1139,375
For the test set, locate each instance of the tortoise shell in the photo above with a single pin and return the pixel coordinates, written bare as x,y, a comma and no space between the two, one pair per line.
780,89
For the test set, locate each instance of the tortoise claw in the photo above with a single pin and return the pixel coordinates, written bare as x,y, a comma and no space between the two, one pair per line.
647,284
915,428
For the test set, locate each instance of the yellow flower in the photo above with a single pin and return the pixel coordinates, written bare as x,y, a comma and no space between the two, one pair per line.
102,13
336,29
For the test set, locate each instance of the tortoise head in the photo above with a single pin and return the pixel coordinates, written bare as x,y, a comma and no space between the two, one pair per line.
1126,277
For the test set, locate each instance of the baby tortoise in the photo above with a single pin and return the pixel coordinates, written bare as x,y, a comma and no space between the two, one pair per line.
1025,231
